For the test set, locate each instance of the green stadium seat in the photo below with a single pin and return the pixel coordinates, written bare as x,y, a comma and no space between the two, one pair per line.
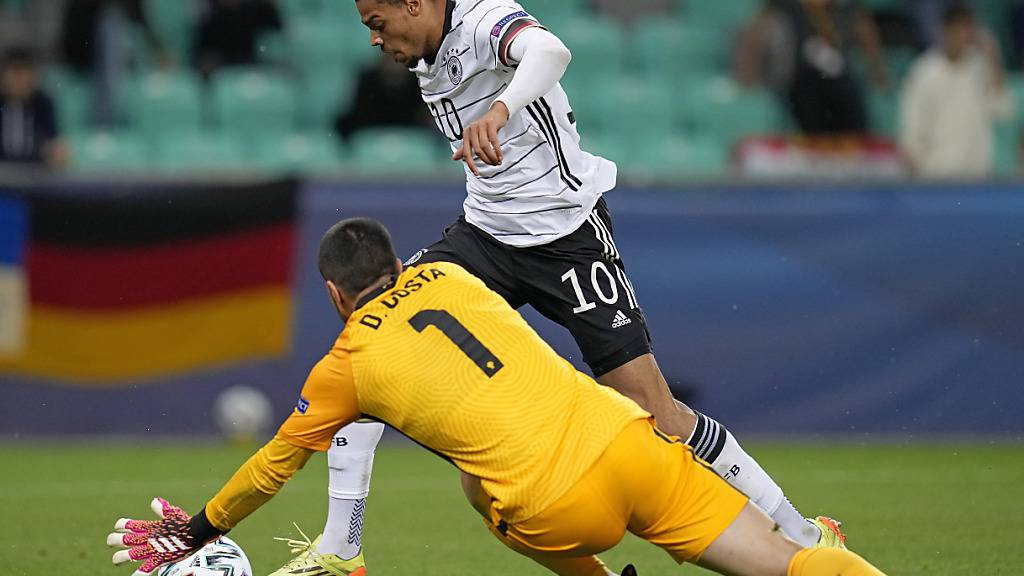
722,15
403,151
160,103
335,12
606,146
274,48
72,94
899,60
302,153
1007,148
557,15
723,110
633,110
598,48
200,151
317,45
109,152
674,51
884,112
1016,86
323,97
670,157
252,103
173,23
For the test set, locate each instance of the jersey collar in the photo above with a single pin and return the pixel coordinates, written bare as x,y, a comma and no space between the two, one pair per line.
375,293
449,11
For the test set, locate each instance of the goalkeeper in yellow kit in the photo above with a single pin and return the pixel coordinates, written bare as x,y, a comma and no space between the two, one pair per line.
559,466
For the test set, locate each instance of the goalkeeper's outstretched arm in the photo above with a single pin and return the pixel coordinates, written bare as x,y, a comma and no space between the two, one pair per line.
328,402
256,482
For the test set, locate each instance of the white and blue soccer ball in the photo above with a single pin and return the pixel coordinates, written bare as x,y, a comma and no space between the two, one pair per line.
243,413
222,557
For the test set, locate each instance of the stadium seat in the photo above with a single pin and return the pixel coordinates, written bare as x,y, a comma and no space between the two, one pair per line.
899,60
723,110
300,152
395,151
161,103
676,52
199,151
323,96
173,23
1016,85
109,152
634,110
72,94
252,103
598,50
326,11
670,157
316,45
1007,148
884,112
722,16
274,48
557,16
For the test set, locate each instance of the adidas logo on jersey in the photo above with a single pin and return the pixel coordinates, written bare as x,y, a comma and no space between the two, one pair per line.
620,320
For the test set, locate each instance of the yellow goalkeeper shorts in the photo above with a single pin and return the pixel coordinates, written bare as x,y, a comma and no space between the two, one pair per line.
646,482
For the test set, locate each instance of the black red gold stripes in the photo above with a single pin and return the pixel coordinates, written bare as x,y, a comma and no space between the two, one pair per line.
126,284
510,34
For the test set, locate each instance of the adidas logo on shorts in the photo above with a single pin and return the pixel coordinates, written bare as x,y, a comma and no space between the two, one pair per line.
620,320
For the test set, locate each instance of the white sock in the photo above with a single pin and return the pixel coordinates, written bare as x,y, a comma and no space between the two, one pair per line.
716,446
350,464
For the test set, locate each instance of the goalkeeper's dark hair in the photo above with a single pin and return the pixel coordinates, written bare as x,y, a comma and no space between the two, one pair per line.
355,253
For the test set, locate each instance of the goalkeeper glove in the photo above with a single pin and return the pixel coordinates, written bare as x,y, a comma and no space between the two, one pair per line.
157,542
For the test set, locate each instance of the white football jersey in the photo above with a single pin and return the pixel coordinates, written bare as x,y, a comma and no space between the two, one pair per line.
546,185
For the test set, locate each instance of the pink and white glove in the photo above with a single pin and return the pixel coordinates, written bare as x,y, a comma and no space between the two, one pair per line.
154,542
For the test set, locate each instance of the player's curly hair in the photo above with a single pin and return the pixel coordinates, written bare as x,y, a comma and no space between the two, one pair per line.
355,253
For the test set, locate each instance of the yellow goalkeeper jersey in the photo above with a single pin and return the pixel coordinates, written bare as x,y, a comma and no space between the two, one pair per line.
445,360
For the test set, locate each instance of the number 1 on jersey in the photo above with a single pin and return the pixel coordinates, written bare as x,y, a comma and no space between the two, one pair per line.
460,336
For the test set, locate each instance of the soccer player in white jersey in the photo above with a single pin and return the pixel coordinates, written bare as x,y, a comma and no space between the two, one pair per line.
536,230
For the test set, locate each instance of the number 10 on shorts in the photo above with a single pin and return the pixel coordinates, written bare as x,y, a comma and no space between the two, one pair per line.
584,305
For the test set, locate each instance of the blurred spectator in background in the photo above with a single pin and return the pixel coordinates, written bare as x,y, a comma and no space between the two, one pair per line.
386,95
229,32
951,99
96,41
812,43
927,16
28,120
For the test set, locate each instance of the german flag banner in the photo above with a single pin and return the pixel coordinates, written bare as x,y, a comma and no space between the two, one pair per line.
13,227
130,284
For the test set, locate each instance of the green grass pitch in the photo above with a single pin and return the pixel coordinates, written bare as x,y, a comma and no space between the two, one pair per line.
913,509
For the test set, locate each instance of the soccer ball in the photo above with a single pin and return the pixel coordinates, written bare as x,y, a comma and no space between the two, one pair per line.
222,557
243,413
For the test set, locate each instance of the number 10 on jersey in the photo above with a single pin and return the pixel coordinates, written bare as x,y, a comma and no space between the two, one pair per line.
451,124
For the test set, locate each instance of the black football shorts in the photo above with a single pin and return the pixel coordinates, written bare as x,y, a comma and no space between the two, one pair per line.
577,281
